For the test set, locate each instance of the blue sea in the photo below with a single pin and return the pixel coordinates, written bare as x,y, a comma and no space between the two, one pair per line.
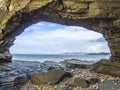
59,57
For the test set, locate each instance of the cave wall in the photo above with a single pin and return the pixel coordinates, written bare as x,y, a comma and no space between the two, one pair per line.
102,16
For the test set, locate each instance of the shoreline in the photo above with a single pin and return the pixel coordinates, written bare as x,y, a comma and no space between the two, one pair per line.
21,72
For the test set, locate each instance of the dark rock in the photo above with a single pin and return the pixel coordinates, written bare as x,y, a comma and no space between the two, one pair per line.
107,67
109,85
13,75
73,65
93,80
51,77
63,88
78,82
7,83
21,80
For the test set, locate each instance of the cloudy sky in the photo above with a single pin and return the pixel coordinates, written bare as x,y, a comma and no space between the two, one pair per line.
51,38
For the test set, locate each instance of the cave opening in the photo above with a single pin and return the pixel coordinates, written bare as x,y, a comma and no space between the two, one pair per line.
50,41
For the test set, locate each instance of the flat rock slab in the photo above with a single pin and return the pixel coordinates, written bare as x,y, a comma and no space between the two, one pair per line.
109,85
51,77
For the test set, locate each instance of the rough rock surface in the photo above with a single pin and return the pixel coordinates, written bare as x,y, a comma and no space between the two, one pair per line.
13,75
94,81
109,85
51,77
102,16
78,82
107,67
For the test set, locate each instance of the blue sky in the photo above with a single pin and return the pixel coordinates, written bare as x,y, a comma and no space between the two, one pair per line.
51,38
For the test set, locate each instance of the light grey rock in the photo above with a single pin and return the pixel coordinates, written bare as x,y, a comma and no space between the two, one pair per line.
109,85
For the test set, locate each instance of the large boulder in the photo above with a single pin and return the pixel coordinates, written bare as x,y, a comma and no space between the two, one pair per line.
51,77
107,67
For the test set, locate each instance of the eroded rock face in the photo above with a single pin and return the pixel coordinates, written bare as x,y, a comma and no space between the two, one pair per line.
108,67
99,15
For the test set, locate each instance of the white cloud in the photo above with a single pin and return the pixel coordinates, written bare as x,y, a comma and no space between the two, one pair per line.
96,48
37,39
67,33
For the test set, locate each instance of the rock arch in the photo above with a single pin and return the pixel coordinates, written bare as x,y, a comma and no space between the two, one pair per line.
99,15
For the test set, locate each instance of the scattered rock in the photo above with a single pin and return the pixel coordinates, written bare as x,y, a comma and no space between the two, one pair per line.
78,82
51,77
63,88
109,85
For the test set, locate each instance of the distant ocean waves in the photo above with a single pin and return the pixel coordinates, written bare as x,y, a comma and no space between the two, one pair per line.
59,57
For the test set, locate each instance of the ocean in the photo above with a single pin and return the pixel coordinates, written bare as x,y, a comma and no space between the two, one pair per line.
59,57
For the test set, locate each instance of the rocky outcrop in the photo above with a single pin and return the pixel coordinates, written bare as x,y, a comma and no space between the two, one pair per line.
13,75
107,67
102,16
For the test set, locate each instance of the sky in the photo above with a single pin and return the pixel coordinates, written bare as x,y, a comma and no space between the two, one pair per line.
52,38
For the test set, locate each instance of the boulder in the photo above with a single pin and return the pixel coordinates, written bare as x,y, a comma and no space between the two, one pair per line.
51,77
78,82
107,67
